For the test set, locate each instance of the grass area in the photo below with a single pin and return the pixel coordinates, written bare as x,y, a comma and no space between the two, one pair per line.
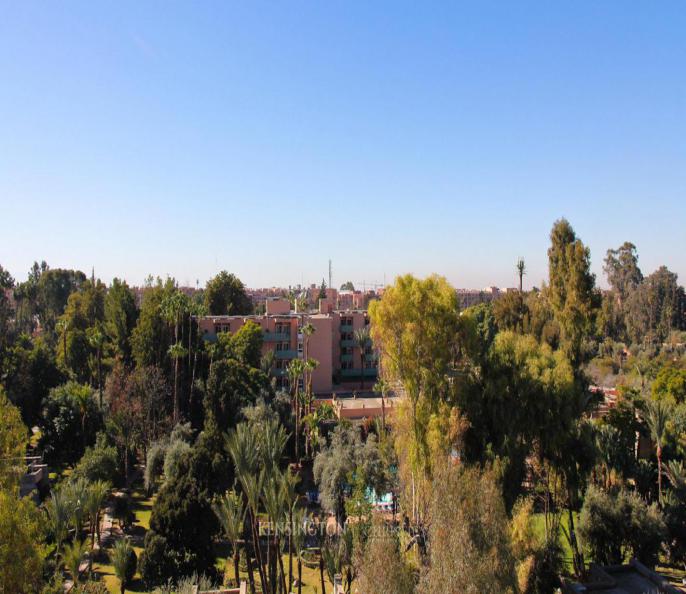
539,530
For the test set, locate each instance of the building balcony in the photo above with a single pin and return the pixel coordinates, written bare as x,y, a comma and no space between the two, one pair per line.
277,337
355,373
347,342
276,372
346,357
290,354
370,357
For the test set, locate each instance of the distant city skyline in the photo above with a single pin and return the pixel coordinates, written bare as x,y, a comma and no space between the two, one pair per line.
264,139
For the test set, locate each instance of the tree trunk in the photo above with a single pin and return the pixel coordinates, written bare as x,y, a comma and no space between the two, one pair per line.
290,549
659,474
258,553
383,412
251,577
100,375
300,575
283,573
236,561
297,428
176,390
361,369
321,571
578,557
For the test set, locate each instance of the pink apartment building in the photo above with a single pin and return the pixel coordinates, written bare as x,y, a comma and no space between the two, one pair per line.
341,364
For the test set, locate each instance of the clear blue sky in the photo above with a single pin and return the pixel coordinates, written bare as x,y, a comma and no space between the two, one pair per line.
185,138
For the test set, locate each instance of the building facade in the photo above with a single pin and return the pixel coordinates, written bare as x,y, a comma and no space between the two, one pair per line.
343,365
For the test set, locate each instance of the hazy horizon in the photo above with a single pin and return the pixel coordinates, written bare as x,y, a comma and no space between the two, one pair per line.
265,139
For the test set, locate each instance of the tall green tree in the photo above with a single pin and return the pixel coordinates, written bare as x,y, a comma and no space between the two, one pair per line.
120,318
415,327
572,288
225,294
152,336
22,548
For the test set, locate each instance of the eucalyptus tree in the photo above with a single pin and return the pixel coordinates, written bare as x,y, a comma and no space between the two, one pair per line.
415,327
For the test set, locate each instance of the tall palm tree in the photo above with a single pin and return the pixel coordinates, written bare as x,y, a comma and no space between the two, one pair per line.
82,396
73,555
95,501
521,271
361,337
230,512
173,308
307,330
296,368
656,417
310,366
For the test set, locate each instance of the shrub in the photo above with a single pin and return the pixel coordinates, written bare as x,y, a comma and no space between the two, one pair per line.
99,463
172,458
614,527
154,464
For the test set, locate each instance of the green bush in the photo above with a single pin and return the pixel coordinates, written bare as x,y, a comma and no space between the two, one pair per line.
616,527
99,463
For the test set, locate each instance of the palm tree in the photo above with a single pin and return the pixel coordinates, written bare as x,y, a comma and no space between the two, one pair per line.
310,366
242,445
73,555
173,307
361,337
122,555
95,500
230,512
676,473
77,495
82,396
307,330
521,271
381,387
656,417
296,368
58,511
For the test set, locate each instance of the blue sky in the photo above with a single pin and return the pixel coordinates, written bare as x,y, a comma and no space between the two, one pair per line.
265,138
